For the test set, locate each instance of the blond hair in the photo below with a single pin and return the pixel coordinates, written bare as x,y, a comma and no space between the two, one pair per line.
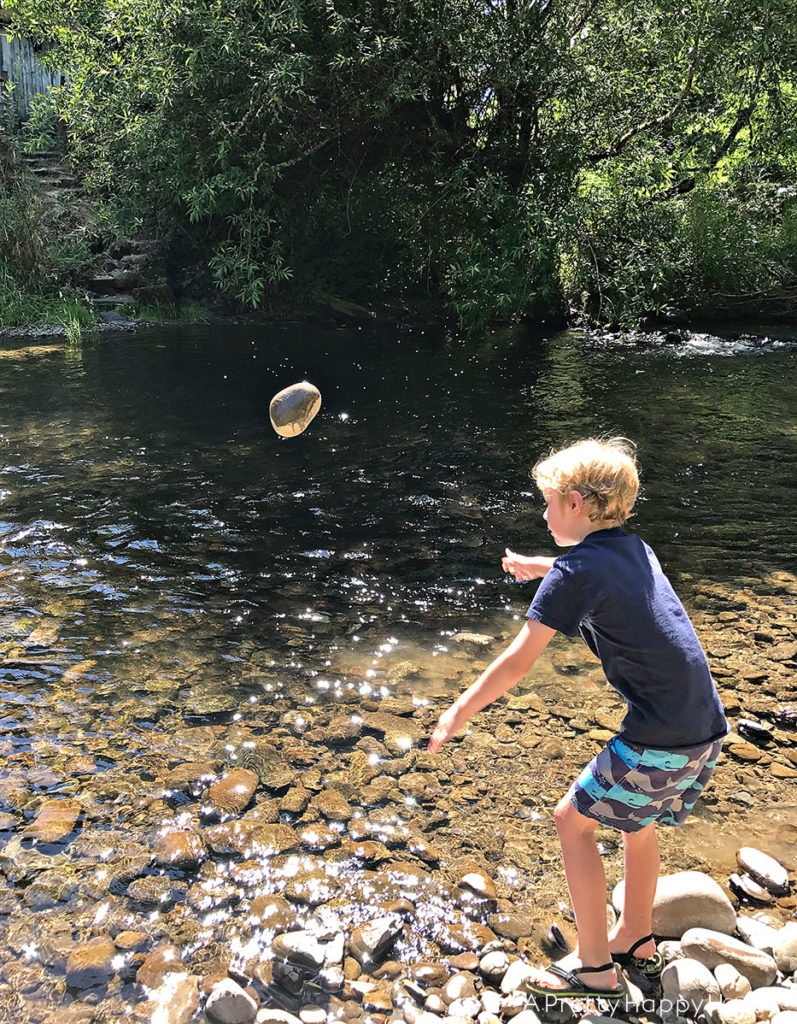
603,470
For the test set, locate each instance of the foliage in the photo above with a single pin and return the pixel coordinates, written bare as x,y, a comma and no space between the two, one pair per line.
43,250
495,153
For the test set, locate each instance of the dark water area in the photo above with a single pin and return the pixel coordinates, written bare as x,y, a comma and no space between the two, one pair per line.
143,487
172,571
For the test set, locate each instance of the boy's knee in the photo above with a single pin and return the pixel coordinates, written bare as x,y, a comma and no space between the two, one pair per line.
569,821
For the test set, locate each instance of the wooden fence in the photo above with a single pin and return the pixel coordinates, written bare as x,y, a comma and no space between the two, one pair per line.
22,76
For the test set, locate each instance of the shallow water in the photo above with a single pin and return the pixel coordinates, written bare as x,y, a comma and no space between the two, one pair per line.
166,557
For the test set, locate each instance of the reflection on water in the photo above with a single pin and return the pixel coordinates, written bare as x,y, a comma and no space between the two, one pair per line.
169,564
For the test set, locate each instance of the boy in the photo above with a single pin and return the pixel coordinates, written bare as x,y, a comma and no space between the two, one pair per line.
611,589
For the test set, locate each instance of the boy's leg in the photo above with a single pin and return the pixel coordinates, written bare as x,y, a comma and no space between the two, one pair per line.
641,858
586,881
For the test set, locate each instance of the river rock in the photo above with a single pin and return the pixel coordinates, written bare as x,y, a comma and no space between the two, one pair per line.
370,941
518,973
54,821
688,984
736,1011
91,964
768,1001
158,964
494,965
459,986
293,409
712,948
785,948
733,985
231,795
175,1001
479,883
299,948
511,925
428,975
468,1008
179,848
190,775
764,869
756,933
228,1003
333,805
785,1017
686,899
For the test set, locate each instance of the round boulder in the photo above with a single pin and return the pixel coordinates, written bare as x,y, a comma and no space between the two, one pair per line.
686,899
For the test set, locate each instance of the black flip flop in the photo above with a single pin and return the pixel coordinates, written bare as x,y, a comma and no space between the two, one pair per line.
650,967
577,988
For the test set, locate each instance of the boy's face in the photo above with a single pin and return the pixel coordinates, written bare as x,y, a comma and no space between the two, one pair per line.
566,517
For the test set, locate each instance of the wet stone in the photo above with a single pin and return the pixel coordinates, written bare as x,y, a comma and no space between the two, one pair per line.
179,848
210,894
333,805
480,884
174,1002
91,964
159,963
295,800
155,890
54,821
231,795
191,776
343,729
319,837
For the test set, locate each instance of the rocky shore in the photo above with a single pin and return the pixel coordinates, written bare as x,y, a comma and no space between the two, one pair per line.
180,852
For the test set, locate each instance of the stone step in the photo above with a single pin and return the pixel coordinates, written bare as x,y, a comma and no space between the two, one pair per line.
103,284
106,301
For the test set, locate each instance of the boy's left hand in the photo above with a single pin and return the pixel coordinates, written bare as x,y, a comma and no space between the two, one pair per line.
449,723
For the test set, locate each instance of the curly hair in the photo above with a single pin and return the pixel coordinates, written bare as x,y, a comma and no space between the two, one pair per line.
603,470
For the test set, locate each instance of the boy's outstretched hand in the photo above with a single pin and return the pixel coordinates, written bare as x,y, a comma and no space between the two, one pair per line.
449,723
526,567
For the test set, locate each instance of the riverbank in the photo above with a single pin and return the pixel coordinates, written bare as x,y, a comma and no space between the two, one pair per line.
322,861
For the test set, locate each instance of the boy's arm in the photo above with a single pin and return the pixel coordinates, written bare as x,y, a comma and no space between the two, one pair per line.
497,678
526,567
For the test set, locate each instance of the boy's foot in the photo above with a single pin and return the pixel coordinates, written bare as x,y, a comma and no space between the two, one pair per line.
603,981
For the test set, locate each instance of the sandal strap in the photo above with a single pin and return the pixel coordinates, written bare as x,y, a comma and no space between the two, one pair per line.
593,970
637,944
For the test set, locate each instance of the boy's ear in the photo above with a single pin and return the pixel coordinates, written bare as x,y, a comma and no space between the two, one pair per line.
576,501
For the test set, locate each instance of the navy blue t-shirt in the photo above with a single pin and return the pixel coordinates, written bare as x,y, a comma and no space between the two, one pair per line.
612,590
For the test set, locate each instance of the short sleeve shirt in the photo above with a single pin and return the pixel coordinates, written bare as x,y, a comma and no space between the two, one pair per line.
611,589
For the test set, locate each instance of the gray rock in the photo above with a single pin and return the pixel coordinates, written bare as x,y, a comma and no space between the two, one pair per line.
785,948
271,1015
712,948
688,985
228,1003
686,899
293,409
764,869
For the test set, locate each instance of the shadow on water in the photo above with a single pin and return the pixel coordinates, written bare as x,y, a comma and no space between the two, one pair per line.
168,561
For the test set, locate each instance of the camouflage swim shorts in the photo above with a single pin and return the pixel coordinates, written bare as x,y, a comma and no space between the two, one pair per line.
629,787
